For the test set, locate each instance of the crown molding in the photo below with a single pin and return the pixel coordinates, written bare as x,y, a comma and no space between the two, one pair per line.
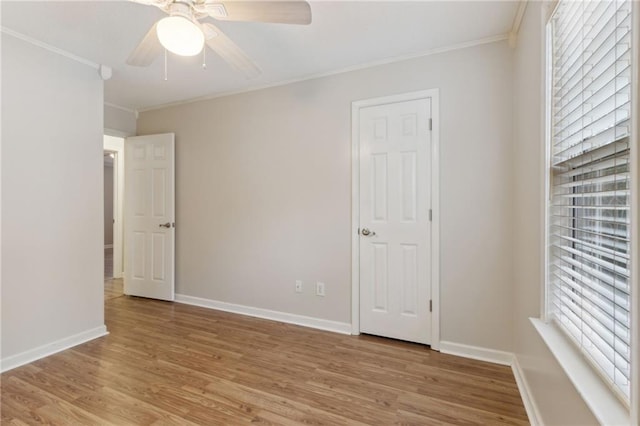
121,108
49,47
465,45
517,20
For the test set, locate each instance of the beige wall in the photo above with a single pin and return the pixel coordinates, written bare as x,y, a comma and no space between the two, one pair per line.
264,190
555,396
52,227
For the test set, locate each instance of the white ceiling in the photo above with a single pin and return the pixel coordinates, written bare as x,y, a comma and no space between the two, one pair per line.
342,35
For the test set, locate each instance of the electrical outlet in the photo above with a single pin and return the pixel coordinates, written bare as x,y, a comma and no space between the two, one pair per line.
298,286
319,289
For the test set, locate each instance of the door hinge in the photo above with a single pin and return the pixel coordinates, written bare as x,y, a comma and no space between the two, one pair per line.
430,305
431,124
430,215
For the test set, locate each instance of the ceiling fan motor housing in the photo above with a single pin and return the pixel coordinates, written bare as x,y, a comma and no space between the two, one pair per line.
181,9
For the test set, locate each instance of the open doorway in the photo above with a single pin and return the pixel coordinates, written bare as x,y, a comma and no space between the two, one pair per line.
113,215
109,220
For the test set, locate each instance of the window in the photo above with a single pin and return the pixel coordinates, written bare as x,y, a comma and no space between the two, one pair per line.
588,284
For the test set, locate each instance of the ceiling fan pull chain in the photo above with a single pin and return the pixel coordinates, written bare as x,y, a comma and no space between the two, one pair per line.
204,58
165,65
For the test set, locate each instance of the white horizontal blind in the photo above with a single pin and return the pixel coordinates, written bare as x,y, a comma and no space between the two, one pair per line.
589,286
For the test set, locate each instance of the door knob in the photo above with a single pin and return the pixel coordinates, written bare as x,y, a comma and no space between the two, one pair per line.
165,225
366,232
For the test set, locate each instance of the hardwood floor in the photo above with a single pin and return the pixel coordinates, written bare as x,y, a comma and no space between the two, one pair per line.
167,363
113,288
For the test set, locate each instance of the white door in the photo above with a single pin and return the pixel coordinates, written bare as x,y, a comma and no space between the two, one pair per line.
149,216
395,227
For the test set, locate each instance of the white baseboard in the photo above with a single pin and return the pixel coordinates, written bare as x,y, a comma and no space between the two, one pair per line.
108,246
31,355
503,358
476,352
525,393
318,323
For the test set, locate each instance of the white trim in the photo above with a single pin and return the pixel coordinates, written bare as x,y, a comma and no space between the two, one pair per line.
108,246
476,352
465,45
530,406
545,125
317,323
635,215
596,394
355,220
49,47
435,219
121,108
31,355
434,96
1,198
515,27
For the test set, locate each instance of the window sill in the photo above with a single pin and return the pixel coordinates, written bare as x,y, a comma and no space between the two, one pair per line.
604,405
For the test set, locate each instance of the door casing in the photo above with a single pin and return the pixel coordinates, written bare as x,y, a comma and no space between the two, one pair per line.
433,95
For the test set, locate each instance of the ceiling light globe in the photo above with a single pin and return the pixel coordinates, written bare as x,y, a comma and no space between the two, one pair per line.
179,35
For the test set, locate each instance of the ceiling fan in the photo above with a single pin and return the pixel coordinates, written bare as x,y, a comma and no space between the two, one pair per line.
182,32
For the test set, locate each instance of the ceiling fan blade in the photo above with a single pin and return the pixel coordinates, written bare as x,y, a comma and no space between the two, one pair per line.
280,12
147,51
229,51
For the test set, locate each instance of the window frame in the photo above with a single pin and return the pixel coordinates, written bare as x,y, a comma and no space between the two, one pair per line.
597,393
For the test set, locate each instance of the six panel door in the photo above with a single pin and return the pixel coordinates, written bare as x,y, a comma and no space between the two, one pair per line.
395,228
149,216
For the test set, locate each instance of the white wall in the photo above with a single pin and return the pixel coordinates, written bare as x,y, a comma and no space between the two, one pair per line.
119,122
52,230
264,190
555,396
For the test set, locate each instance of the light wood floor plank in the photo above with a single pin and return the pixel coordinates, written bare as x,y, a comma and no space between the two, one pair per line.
112,288
171,364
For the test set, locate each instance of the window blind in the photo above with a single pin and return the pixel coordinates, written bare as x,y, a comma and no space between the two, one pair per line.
589,211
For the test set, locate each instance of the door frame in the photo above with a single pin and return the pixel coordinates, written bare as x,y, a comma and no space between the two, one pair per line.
116,146
433,95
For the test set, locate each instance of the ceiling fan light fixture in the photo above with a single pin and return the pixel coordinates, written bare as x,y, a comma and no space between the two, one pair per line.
179,35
